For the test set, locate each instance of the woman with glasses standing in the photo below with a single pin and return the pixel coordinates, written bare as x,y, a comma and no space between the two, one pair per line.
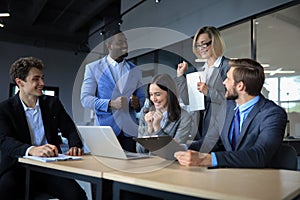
207,44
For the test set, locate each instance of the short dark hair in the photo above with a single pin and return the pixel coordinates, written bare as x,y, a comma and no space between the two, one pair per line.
21,67
250,72
166,83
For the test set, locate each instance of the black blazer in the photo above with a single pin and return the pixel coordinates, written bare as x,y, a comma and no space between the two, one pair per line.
14,130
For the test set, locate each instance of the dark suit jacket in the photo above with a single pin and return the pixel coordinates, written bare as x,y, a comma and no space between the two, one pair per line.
260,138
14,130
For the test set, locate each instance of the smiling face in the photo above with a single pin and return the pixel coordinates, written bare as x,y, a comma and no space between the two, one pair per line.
205,51
33,84
159,97
118,47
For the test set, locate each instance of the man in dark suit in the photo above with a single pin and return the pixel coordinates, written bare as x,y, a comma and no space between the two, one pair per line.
249,126
29,125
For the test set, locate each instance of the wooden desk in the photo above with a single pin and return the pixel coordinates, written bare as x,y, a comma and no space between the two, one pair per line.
172,181
177,182
88,169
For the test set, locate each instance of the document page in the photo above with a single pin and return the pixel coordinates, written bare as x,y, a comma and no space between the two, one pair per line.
60,157
196,98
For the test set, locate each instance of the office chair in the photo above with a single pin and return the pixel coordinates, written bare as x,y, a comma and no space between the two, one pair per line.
286,158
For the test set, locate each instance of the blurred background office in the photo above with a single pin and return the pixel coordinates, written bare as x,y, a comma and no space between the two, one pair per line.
66,34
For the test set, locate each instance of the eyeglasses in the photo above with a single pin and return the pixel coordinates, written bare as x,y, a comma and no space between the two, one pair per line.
202,46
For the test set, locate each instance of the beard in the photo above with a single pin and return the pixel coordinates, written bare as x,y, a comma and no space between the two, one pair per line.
121,56
233,95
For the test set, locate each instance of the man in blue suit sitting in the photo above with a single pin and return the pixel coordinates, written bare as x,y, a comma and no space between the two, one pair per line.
249,129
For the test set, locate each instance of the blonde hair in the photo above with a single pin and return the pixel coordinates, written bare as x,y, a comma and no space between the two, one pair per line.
218,44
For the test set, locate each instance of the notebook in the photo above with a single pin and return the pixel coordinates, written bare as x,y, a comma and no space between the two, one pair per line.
60,157
102,141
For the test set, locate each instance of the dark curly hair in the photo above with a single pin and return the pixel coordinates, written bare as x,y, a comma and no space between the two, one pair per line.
21,67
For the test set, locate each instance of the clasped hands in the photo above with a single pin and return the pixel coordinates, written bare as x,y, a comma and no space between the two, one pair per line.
122,102
193,158
153,119
49,150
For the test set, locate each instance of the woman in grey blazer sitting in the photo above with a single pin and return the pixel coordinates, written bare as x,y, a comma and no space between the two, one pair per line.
164,116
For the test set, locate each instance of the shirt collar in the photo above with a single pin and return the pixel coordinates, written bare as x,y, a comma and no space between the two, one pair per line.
111,61
248,104
37,105
218,62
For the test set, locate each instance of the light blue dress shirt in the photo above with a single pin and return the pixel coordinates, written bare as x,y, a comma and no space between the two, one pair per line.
35,125
119,71
245,109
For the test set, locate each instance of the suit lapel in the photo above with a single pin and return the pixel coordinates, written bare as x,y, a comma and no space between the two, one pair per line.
19,110
227,125
256,109
44,113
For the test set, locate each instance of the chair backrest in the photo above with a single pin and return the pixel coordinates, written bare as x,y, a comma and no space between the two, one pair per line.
286,158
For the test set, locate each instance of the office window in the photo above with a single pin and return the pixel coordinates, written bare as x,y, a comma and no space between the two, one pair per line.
278,49
238,40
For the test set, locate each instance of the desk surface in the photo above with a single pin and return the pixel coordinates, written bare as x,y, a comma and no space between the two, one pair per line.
193,181
218,183
88,166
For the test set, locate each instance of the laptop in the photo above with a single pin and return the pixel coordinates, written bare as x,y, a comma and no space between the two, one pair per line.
102,141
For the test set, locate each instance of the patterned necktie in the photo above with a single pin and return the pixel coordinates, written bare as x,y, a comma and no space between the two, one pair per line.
236,128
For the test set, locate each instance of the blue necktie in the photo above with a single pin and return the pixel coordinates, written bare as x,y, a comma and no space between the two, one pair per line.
236,128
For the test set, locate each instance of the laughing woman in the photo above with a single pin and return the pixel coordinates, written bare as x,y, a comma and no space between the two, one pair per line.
165,116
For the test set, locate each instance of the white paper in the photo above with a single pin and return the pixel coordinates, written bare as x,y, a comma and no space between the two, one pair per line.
196,98
60,157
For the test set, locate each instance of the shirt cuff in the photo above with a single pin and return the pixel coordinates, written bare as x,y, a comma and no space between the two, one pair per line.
27,151
185,146
214,161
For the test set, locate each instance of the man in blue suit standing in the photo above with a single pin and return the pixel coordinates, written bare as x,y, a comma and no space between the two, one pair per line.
112,88
249,126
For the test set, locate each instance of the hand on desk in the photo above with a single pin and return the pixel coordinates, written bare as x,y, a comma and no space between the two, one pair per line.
193,158
47,150
75,151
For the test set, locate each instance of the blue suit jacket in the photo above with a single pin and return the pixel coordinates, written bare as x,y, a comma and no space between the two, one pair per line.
259,140
99,87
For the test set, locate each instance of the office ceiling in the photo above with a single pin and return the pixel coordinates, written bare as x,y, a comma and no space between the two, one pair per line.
60,24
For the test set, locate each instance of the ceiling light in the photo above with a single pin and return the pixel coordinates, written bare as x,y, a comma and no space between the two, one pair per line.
120,22
102,32
157,1
4,14
265,65
1,25
279,71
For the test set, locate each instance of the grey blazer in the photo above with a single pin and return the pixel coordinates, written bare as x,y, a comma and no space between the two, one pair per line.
213,100
179,129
